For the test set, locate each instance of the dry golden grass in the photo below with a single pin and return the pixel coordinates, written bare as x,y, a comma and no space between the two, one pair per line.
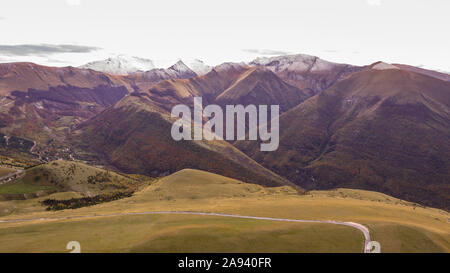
398,225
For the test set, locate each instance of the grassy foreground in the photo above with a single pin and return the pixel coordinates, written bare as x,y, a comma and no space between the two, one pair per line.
172,233
399,226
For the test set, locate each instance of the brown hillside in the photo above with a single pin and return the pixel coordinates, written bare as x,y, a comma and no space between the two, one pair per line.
134,136
384,130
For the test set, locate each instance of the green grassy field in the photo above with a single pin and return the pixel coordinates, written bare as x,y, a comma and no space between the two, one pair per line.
22,187
399,226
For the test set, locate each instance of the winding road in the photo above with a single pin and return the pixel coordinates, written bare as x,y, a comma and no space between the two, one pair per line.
360,227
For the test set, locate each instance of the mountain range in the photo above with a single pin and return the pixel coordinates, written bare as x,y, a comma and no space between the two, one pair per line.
383,127
124,65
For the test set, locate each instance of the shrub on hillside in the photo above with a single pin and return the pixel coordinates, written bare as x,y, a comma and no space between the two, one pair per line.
75,203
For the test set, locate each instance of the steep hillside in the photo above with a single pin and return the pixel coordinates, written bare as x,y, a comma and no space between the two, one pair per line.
229,84
261,87
134,136
385,130
171,92
66,176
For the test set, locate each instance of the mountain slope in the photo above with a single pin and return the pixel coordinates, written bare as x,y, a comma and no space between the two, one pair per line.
24,76
65,176
384,130
42,104
171,92
134,136
261,87
229,84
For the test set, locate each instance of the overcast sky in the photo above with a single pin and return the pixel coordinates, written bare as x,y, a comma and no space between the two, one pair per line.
72,32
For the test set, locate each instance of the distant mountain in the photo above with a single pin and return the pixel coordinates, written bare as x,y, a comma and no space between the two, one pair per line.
431,73
147,79
121,65
125,65
435,74
306,72
382,66
25,76
43,103
141,123
167,93
180,68
229,83
199,67
380,129
261,87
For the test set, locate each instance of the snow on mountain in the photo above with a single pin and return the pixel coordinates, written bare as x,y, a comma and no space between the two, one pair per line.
383,66
181,68
146,79
229,66
121,65
124,65
297,63
199,67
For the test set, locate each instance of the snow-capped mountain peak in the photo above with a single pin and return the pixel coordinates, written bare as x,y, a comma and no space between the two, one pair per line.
199,67
121,65
229,66
298,63
180,67
124,65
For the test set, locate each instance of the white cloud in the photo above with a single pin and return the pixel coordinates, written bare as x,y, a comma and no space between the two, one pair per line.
43,49
373,2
